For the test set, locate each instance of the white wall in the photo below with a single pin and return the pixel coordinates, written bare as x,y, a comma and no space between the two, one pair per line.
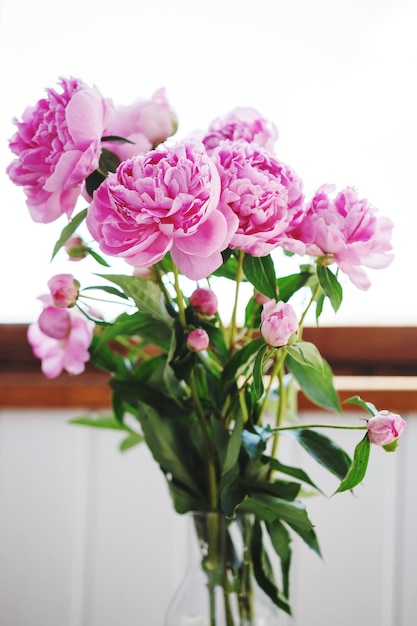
88,536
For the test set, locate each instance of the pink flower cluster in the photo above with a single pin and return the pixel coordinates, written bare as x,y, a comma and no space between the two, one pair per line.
58,142
62,335
345,230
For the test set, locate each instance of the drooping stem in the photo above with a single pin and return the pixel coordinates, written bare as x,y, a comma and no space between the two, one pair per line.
233,322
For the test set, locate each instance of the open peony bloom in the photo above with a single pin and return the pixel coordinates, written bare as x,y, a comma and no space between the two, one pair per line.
347,230
163,201
146,123
243,123
278,323
61,339
64,290
57,145
264,194
385,427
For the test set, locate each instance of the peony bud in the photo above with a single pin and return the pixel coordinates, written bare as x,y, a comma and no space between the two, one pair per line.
75,248
385,427
204,301
64,290
279,322
198,340
54,322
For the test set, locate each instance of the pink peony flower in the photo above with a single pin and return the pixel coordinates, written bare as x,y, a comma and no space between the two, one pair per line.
64,345
204,301
198,340
385,427
263,193
64,290
58,145
347,231
163,201
146,123
242,123
278,323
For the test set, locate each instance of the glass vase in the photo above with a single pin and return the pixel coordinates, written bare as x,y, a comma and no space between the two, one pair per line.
219,587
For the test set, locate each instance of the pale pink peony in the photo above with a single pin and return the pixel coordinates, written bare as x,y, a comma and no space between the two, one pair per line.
385,427
204,301
146,123
64,345
58,145
163,201
243,123
64,290
347,231
263,193
198,340
278,323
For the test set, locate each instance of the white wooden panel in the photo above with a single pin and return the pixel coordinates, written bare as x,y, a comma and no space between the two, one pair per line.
88,536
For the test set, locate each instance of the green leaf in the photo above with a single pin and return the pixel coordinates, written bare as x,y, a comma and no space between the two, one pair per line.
391,447
271,508
240,361
255,442
258,383
306,353
98,420
69,230
281,541
367,406
260,271
331,286
146,294
97,257
289,285
323,450
308,536
93,182
116,138
132,440
263,571
234,444
357,470
316,384
295,472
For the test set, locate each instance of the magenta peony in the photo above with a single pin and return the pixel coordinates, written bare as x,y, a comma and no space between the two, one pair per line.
146,123
64,290
385,427
204,301
278,323
243,123
198,340
161,201
264,194
347,231
57,145
61,339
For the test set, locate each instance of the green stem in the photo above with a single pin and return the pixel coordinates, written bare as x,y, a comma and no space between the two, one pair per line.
239,276
312,299
180,298
282,405
307,426
210,451
279,362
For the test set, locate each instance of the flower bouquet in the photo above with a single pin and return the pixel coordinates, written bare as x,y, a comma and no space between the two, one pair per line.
202,222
